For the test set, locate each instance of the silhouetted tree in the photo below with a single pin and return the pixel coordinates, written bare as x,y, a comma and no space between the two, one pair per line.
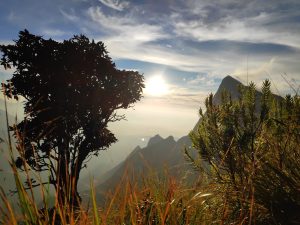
72,90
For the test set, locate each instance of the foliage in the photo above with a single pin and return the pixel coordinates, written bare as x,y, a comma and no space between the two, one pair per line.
252,147
253,180
248,148
72,90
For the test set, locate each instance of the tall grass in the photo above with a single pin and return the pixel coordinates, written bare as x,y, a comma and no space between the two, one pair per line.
155,200
269,193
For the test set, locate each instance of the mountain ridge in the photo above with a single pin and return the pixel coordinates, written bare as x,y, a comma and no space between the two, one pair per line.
161,152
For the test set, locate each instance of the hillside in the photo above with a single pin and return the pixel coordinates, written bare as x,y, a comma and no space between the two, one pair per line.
161,153
165,153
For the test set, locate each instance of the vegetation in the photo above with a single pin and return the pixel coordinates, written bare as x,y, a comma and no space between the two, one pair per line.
71,90
251,147
251,162
246,151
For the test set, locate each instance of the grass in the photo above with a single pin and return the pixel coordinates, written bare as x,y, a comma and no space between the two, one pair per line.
156,201
264,190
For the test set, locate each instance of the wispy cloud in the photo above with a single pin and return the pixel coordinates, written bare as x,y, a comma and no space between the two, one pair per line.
70,15
196,42
115,4
54,32
203,80
254,21
274,70
210,38
125,28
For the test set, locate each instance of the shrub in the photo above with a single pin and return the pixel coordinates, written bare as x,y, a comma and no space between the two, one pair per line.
252,149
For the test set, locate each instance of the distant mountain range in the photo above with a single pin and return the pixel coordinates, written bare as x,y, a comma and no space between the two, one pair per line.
158,155
161,153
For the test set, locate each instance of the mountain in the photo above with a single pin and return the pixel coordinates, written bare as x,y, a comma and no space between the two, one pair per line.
154,140
229,84
163,153
160,153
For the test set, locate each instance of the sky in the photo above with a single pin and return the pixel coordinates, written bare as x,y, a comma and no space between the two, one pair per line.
183,47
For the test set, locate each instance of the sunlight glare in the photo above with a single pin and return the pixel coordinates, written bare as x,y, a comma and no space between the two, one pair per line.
156,86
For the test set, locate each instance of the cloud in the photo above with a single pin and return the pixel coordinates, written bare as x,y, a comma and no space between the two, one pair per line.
200,43
253,21
180,95
207,37
213,64
196,43
53,32
203,79
71,16
234,30
125,28
274,70
188,97
115,4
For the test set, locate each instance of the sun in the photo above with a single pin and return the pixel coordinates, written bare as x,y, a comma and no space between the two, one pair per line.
156,86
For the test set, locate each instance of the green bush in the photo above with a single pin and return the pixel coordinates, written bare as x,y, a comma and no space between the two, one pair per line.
251,145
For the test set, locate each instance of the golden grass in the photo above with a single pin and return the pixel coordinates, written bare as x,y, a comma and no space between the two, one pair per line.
153,199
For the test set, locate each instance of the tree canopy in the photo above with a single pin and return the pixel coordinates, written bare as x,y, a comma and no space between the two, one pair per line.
72,90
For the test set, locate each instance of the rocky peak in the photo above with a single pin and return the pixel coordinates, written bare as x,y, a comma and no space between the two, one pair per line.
157,138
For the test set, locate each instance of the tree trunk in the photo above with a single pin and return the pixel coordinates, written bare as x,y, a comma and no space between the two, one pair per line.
68,172
76,199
